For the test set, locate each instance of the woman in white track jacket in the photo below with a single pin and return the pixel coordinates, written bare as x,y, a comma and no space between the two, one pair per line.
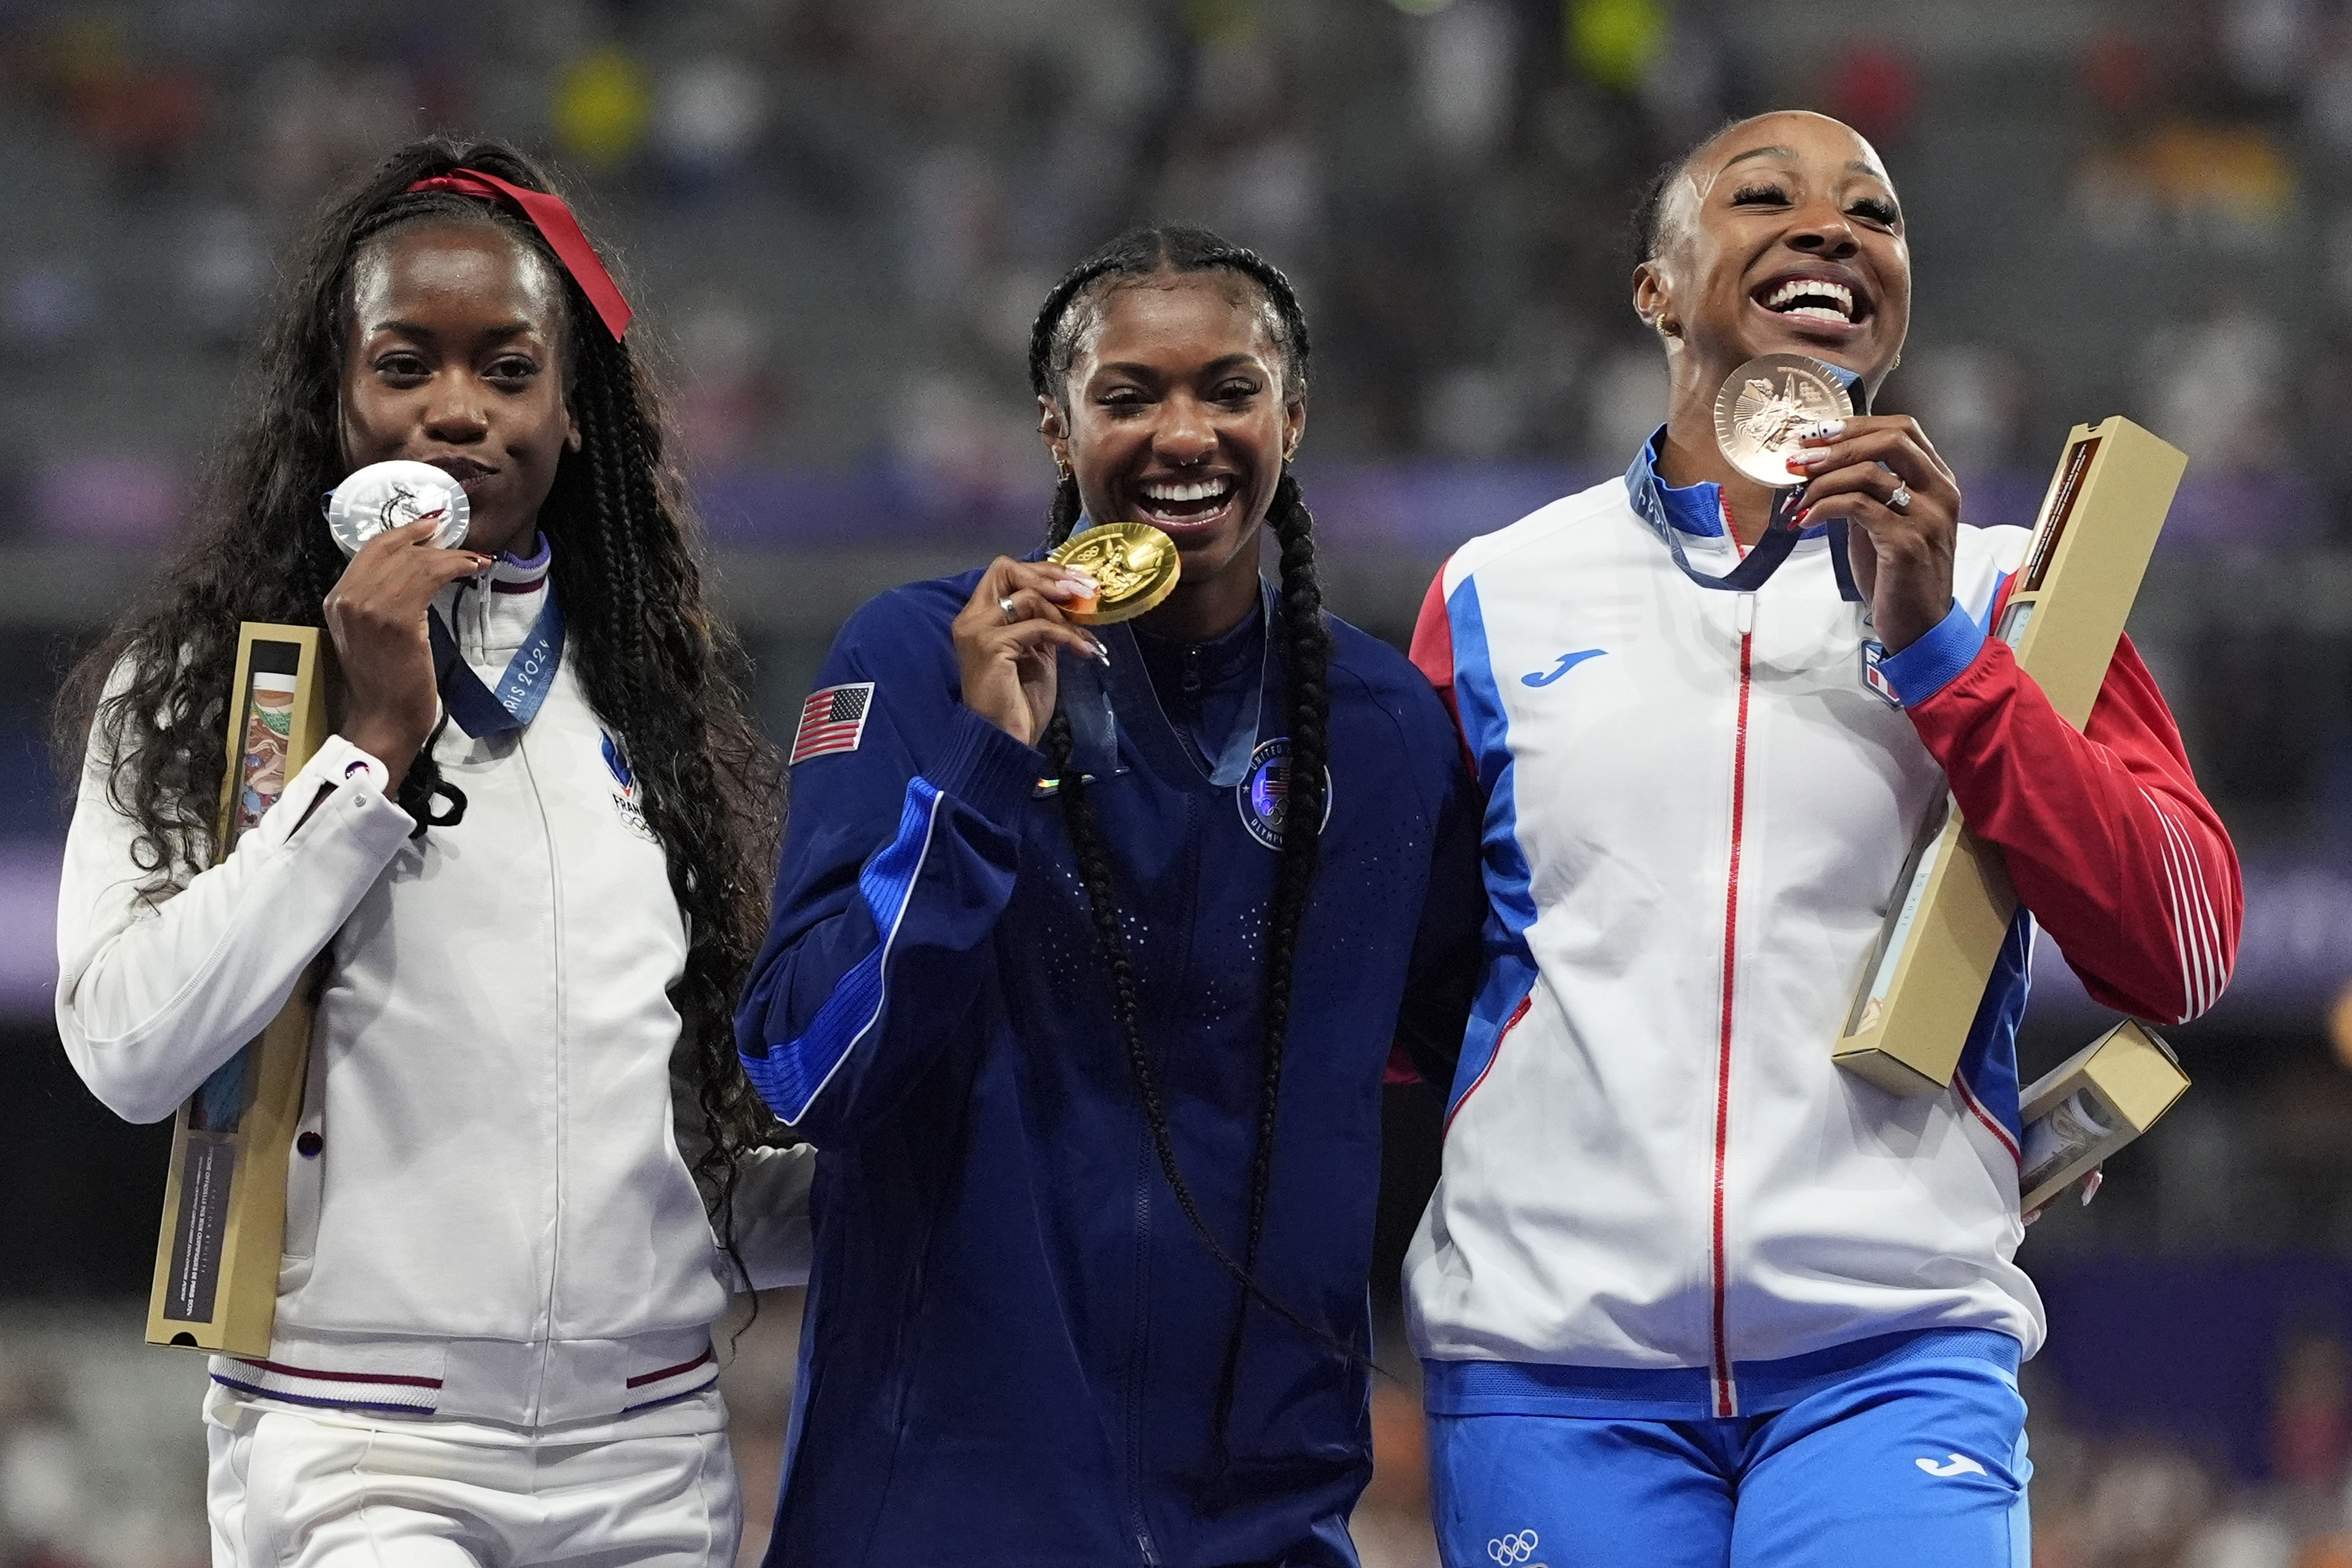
1687,1293
492,1342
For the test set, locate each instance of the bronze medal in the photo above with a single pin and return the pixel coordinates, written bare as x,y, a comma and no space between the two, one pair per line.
1134,566
1765,403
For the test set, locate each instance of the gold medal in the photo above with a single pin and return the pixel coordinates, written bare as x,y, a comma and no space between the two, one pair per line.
1764,404
1134,566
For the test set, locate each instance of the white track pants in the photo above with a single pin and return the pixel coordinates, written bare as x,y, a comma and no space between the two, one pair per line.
287,1492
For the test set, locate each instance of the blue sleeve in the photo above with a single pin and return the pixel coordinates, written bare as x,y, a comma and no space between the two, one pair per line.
1442,978
1930,664
899,855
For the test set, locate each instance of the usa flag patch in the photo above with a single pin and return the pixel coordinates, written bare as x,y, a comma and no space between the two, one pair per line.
832,720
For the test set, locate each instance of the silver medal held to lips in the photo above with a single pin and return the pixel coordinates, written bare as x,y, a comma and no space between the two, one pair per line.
1764,407
389,494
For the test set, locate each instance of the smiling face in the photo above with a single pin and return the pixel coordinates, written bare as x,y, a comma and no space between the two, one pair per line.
1177,414
1781,234
455,360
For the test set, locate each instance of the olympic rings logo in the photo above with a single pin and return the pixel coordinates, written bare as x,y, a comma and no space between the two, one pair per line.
1517,1547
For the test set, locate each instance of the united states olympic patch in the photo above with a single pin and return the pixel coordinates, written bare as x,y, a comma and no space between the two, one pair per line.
832,720
1263,793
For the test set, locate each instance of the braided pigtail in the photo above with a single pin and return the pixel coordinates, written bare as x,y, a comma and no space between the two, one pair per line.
1061,514
666,682
1307,658
1094,875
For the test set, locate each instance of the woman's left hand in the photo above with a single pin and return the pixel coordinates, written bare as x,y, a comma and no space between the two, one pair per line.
1882,475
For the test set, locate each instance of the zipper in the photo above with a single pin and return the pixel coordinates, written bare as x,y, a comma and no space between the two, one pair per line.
1139,1346
562,1085
1724,1389
1147,1172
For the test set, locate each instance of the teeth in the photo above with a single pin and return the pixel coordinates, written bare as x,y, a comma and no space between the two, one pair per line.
1802,288
1187,492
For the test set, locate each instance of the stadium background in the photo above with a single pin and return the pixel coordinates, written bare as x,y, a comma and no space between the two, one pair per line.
836,218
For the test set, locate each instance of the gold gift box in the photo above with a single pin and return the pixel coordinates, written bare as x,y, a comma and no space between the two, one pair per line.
2087,1107
216,1260
1951,909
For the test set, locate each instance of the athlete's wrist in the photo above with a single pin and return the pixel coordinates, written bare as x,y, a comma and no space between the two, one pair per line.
391,741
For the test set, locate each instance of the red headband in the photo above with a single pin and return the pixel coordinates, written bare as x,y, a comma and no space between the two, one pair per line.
554,220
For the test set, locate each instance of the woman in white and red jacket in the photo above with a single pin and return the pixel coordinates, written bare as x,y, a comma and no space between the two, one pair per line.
1687,1292
534,899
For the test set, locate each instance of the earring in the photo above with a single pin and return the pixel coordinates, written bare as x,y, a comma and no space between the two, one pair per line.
1061,469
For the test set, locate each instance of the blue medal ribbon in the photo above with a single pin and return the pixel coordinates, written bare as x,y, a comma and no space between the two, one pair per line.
478,710
1232,767
1780,531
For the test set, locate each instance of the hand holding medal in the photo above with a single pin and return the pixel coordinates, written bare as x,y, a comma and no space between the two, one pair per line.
1009,633
1879,473
393,518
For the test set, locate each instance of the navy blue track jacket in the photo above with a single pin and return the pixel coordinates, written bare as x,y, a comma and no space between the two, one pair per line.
1013,1340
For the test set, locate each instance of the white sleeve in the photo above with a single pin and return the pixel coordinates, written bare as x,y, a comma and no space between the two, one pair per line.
152,995
772,1215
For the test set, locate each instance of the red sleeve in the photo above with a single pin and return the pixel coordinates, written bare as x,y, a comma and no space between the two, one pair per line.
1432,655
2108,841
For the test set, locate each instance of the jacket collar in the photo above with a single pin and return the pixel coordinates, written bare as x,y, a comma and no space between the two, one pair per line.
493,612
1693,509
518,574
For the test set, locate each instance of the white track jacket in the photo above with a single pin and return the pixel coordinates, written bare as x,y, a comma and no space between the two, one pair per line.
497,1221
1660,1198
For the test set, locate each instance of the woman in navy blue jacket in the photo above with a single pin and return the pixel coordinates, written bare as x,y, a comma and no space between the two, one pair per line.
1087,1018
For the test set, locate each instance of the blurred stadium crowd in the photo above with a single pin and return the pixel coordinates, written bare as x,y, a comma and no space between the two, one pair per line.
836,218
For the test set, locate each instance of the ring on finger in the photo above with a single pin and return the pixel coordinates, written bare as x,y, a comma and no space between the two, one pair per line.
1005,605
1901,500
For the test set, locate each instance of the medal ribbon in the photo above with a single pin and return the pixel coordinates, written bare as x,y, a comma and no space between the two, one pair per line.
1780,530
478,710
1233,761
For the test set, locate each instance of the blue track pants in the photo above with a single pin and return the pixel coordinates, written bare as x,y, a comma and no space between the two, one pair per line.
1920,1464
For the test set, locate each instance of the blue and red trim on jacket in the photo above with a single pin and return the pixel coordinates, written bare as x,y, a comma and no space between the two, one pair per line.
1450,647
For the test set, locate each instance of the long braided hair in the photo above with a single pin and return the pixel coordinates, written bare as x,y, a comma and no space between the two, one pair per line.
1068,312
658,671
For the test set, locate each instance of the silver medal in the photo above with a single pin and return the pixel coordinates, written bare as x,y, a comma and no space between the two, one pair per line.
389,494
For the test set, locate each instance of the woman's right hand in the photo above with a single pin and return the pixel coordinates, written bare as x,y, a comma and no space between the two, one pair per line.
375,612
1005,639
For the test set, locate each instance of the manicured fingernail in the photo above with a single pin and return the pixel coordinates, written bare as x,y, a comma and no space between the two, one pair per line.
1804,460
1799,520
1102,652
1823,431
